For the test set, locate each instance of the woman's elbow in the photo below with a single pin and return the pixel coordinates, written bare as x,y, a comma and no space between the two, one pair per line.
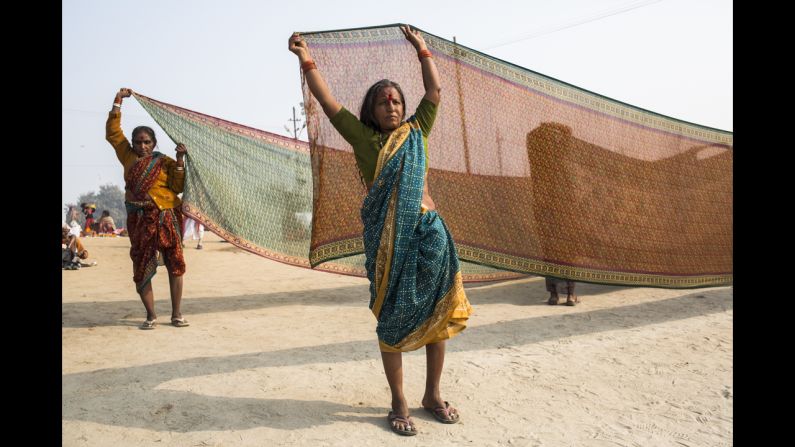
331,108
434,95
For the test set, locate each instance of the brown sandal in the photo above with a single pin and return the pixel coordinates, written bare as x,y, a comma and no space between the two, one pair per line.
409,430
445,414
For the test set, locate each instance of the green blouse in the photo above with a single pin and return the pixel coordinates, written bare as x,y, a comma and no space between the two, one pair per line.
367,142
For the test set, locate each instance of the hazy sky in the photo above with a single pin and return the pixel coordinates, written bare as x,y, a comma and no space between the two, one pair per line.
229,58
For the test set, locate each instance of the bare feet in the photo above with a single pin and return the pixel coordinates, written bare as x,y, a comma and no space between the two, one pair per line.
553,298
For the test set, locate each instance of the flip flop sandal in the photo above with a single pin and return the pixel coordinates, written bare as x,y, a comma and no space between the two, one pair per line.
444,414
148,324
409,430
179,322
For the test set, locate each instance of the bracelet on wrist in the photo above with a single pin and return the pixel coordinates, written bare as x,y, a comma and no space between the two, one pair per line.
308,66
423,54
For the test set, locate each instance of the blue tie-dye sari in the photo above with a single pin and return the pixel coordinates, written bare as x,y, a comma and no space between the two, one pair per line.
416,291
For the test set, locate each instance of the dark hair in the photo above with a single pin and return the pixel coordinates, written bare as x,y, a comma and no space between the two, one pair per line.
146,129
105,213
366,114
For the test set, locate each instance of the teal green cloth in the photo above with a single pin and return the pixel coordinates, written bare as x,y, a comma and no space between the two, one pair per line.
424,261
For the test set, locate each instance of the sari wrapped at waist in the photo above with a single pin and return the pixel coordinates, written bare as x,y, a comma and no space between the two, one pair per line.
152,230
416,291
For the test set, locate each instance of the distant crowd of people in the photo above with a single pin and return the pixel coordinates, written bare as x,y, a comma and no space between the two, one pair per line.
73,253
105,226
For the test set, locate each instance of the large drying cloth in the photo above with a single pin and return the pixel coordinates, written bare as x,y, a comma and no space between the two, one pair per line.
531,174
254,189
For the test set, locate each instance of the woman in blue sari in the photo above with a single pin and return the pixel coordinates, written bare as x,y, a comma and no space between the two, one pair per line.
416,293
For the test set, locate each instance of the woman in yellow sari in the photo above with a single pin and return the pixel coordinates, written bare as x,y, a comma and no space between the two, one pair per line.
153,182
416,291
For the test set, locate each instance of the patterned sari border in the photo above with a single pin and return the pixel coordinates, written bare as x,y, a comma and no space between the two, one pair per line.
335,250
280,141
196,214
530,79
576,95
448,319
395,141
354,35
582,274
383,262
503,275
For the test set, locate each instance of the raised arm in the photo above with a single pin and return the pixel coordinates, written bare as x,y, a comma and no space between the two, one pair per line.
113,132
123,93
317,85
430,76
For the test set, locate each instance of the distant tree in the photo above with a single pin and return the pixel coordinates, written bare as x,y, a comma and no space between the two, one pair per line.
111,198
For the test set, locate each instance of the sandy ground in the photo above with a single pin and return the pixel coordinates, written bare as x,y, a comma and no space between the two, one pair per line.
279,355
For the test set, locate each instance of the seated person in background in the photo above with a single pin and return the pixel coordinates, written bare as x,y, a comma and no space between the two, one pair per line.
106,224
72,249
